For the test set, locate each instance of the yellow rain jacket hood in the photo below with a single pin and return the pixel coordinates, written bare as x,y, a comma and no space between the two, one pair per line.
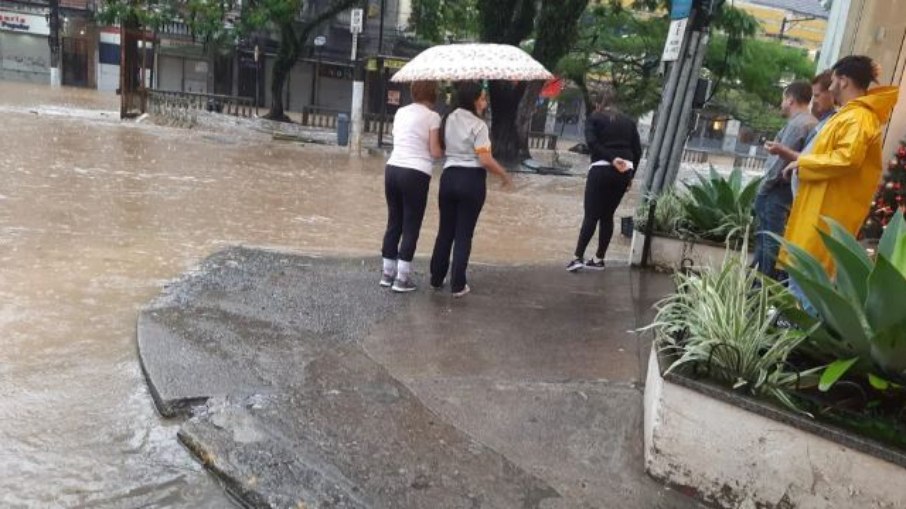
840,176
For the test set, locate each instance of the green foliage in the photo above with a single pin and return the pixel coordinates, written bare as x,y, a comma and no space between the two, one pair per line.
720,209
750,77
622,47
669,214
124,12
860,312
438,21
721,322
715,208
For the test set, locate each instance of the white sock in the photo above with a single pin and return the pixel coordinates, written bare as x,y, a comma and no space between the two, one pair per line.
403,270
389,266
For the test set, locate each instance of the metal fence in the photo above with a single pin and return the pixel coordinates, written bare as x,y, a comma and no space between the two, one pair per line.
183,105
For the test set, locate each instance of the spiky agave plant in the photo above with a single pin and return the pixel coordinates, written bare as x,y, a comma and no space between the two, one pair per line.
861,314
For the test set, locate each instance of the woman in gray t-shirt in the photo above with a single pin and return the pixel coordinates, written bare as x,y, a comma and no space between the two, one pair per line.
467,146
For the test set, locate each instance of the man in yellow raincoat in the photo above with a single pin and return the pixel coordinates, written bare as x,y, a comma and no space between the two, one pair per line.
839,177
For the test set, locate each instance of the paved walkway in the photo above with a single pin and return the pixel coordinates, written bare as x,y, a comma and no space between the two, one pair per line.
307,385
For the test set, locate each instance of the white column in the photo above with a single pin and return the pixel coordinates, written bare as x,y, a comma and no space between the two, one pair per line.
357,116
837,24
56,77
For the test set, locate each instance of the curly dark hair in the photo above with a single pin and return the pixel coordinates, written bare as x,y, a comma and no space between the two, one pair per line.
861,69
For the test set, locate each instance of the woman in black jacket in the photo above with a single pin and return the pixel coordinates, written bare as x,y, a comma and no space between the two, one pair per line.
615,147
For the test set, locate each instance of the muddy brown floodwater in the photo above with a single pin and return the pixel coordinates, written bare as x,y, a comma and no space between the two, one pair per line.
96,215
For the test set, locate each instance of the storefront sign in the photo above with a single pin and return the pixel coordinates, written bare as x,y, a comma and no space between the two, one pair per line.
389,63
25,23
337,72
393,97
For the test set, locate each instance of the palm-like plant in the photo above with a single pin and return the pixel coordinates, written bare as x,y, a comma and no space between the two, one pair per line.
862,318
719,208
721,320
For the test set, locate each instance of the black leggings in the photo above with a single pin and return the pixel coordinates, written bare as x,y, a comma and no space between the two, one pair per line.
462,194
604,189
406,191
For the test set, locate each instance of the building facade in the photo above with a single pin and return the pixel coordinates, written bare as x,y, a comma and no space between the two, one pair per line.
876,28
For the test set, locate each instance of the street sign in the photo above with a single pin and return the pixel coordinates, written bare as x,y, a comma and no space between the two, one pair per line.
680,9
674,40
320,40
355,21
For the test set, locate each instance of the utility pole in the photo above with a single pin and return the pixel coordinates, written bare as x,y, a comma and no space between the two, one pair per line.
380,41
356,24
684,53
53,39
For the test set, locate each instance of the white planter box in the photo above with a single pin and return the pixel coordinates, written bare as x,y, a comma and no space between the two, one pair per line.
739,458
669,253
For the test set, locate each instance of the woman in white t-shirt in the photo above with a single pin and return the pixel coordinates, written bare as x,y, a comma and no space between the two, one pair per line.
416,143
467,146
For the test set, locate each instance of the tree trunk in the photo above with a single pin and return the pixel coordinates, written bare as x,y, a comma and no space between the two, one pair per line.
527,107
505,142
286,58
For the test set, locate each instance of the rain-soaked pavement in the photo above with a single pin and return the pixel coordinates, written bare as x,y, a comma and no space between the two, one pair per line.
97,215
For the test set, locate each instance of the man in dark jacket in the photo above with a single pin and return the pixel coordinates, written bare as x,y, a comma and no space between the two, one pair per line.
615,148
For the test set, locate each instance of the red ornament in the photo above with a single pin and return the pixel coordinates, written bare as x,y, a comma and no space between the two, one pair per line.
897,185
901,151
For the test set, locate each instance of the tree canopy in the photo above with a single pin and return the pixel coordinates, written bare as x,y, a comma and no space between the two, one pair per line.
618,44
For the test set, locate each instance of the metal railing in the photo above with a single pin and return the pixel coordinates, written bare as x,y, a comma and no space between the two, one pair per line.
165,102
373,123
326,118
542,141
749,163
323,118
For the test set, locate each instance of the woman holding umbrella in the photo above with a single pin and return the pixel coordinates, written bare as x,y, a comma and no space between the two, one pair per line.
467,144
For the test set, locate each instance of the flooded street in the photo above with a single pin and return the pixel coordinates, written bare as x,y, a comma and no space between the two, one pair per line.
97,215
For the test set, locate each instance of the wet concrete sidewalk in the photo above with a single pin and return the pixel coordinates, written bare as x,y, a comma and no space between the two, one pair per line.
307,385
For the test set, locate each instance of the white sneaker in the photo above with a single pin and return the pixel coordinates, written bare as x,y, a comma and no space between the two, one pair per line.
462,293
403,286
387,280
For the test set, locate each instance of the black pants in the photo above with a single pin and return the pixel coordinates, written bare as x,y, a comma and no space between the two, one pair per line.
462,194
406,191
604,189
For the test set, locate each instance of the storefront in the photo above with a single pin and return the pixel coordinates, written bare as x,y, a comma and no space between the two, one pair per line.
876,28
24,48
182,66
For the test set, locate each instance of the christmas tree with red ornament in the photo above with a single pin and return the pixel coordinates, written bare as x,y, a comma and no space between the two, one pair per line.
891,196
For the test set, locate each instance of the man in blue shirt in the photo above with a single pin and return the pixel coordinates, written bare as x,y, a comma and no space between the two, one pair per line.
775,196
823,108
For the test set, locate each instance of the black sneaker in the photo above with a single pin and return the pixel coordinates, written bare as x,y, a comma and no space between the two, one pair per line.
595,264
403,286
575,265
387,280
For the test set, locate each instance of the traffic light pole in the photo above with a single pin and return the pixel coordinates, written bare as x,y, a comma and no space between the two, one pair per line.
675,111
